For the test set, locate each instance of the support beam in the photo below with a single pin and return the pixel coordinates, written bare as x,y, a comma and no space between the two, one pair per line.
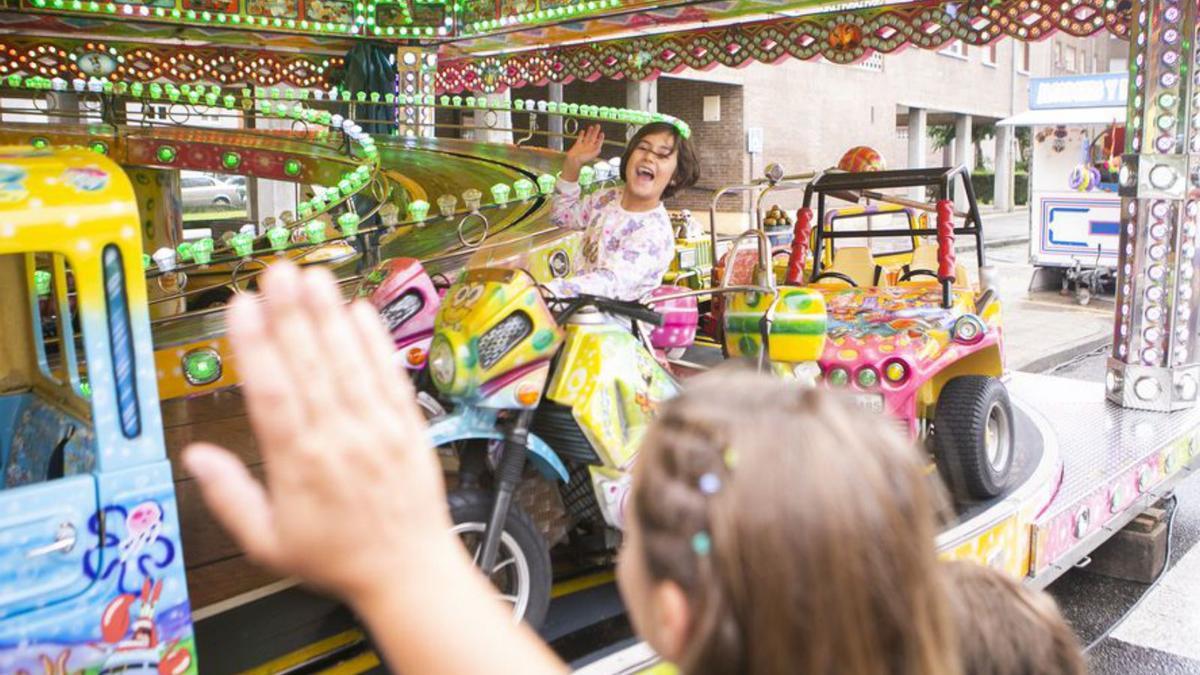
964,153
918,144
555,121
1003,190
1153,364
416,69
641,96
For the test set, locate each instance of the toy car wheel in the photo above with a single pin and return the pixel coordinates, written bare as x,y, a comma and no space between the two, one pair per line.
973,434
522,573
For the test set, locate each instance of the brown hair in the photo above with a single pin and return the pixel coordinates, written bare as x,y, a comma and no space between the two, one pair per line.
687,167
821,558
1007,629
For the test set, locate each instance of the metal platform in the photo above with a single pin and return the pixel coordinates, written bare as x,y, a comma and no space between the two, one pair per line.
1084,468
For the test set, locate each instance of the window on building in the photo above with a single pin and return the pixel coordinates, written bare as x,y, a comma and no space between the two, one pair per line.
1058,55
957,49
989,55
1023,63
1070,60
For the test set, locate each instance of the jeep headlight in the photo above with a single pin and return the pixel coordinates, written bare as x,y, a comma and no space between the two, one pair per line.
400,310
968,329
441,363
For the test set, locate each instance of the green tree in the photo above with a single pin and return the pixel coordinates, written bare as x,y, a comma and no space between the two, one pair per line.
942,134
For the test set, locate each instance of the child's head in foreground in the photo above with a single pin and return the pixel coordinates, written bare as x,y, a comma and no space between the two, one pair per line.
1007,629
776,529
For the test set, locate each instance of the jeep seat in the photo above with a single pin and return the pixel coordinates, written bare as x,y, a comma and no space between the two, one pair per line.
856,262
924,257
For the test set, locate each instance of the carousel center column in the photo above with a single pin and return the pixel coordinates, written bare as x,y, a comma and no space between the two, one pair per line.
416,70
1153,364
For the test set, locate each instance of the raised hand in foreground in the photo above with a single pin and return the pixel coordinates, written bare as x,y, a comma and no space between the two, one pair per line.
354,501
587,147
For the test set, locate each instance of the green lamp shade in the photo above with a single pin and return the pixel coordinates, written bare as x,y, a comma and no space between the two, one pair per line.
500,192
316,231
201,366
39,142
348,222
279,236
185,251
85,388
98,147
546,183
146,260
418,209
586,175
41,282
524,188
243,244
202,251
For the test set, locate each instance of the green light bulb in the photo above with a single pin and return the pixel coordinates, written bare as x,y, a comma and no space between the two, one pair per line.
279,237
41,282
231,160
315,229
166,154
202,251
349,224
185,251
291,167
243,244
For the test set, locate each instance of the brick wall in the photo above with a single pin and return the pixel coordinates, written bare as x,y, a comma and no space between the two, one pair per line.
720,146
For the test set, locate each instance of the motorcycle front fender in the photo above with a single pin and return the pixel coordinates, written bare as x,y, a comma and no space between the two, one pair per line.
479,423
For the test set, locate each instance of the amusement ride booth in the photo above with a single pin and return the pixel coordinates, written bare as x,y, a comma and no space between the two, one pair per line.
1077,129
374,137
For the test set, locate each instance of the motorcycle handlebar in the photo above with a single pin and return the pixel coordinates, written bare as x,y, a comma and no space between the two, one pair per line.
632,310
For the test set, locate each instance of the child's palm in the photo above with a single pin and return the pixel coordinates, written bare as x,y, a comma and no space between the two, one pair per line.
587,145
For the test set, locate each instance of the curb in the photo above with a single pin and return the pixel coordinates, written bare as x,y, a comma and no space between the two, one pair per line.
994,243
1044,363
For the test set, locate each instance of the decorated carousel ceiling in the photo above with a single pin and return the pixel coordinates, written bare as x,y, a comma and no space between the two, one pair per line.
488,45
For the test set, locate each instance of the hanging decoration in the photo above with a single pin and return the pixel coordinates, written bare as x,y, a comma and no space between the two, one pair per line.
837,37
141,63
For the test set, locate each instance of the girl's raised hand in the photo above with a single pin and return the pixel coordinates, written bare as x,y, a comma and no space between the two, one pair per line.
586,148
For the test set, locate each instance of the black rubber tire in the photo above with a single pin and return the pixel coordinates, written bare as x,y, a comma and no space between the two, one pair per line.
475,506
960,427
222,201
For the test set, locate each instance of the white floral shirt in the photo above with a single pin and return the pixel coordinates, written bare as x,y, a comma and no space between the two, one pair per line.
624,254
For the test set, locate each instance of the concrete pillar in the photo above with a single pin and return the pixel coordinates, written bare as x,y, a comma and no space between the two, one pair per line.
964,153
493,125
555,124
1003,189
641,96
1154,363
917,145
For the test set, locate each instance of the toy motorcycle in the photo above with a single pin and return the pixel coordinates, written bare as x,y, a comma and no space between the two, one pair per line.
548,411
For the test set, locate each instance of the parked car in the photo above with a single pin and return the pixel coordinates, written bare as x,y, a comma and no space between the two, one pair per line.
203,191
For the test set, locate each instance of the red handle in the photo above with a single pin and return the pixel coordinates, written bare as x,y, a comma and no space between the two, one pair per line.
945,237
800,239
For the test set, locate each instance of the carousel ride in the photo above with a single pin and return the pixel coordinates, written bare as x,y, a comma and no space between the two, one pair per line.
132,81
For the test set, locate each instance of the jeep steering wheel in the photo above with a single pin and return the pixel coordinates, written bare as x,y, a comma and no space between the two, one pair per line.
835,275
918,273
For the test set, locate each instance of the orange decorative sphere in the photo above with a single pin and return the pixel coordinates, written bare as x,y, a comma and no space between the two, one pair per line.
861,158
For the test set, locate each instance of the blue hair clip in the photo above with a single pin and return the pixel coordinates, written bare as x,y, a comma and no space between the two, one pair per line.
701,543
